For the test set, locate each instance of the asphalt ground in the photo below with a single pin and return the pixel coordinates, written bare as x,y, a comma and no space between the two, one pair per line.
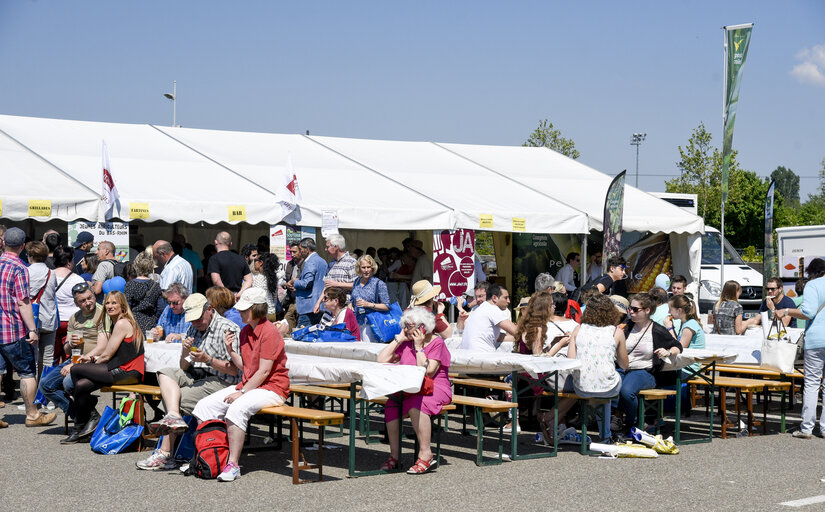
748,473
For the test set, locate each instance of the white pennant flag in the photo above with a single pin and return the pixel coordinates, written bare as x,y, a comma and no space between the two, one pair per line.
290,192
111,198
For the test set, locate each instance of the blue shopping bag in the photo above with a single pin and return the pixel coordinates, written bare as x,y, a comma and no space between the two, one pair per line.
385,324
320,332
116,431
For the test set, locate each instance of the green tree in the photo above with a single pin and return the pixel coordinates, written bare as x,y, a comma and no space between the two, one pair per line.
813,210
548,136
787,184
701,166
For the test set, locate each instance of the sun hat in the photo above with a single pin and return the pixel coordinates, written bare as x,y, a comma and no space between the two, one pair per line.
422,291
522,303
621,303
250,297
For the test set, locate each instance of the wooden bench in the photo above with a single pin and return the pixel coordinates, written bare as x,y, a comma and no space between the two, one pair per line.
314,417
767,373
482,405
749,387
657,395
141,390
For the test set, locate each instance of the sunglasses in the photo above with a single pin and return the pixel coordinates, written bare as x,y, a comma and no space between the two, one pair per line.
634,309
174,302
79,288
772,289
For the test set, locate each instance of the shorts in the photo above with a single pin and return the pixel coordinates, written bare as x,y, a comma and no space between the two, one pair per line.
191,390
22,356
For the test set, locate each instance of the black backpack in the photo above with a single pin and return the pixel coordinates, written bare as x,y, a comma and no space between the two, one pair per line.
577,293
119,267
211,450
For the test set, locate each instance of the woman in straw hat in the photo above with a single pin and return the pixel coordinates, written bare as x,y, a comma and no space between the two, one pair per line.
424,294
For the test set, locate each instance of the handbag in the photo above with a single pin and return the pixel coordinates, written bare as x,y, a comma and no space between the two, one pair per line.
427,386
385,324
117,431
778,351
320,332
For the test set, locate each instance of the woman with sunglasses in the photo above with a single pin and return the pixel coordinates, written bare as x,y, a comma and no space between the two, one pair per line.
417,345
117,359
647,344
336,312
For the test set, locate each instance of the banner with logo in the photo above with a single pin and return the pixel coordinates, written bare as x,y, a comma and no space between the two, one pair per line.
737,38
115,232
281,236
454,262
613,208
646,259
769,258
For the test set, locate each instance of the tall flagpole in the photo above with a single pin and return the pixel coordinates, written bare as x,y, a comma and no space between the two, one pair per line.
724,109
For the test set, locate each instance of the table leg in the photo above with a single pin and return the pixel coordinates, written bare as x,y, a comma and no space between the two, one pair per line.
723,411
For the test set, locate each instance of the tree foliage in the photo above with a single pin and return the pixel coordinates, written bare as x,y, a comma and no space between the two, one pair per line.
547,136
787,184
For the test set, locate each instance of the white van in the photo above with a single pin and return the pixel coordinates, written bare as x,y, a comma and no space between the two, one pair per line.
735,270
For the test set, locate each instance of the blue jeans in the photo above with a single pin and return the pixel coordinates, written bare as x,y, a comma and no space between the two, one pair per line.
307,319
633,381
22,356
57,388
814,366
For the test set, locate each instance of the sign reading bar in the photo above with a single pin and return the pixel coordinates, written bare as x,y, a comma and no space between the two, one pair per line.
519,224
138,210
236,213
485,221
40,208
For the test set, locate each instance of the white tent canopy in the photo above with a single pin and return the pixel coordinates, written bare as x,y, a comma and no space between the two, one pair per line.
580,186
148,167
31,183
362,198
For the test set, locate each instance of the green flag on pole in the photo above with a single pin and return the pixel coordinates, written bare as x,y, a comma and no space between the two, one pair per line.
737,38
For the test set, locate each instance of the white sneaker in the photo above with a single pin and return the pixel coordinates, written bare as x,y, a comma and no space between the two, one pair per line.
158,461
508,428
230,472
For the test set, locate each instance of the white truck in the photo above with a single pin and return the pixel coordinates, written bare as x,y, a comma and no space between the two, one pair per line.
710,282
796,246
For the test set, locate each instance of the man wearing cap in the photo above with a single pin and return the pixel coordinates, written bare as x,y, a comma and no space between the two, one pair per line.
423,295
18,332
482,329
82,244
205,370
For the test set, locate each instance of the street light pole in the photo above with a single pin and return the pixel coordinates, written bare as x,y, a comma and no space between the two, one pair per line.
174,98
637,140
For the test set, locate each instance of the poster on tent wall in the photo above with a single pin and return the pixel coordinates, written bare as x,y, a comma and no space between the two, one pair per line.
613,208
115,232
535,253
646,259
281,236
769,257
454,262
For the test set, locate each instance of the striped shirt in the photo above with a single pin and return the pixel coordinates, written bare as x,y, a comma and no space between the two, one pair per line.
14,287
342,269
211,342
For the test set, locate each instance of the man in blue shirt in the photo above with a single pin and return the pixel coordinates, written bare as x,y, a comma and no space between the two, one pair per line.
172,318
778,300
309,287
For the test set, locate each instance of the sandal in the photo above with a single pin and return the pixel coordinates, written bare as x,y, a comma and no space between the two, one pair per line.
390,464
421,466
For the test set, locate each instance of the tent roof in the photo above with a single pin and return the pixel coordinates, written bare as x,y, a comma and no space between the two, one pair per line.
469,189
362,198
147,166
579,186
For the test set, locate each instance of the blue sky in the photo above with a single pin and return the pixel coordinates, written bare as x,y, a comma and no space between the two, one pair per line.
469,72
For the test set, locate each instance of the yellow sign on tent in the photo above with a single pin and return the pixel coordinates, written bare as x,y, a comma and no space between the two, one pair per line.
519,224
485,221
237,212
40,208
138,210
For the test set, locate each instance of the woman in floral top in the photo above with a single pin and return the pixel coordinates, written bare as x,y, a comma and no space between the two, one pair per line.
369,294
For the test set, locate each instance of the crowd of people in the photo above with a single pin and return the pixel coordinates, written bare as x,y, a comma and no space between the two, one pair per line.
72,322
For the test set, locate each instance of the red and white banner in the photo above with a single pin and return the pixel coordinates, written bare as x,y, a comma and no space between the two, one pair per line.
454,262
111,197
290,192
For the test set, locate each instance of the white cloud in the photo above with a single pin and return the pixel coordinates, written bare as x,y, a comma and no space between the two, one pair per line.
812,68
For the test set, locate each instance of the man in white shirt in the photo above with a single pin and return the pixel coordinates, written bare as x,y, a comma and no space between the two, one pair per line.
568,274
175,268
482,328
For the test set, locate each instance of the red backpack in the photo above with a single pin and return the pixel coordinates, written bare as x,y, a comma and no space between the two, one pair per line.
211,449
574,311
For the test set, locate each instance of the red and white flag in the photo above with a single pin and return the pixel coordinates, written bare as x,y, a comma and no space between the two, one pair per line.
290,193
111,198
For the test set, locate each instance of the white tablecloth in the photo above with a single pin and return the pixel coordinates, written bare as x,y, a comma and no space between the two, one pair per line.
376,379
462,361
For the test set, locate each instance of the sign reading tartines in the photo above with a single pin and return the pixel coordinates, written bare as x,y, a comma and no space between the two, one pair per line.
453,262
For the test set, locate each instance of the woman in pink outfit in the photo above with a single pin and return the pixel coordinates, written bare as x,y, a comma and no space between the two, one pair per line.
416,345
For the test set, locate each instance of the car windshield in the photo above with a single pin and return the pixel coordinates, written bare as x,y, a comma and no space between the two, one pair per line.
711,251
